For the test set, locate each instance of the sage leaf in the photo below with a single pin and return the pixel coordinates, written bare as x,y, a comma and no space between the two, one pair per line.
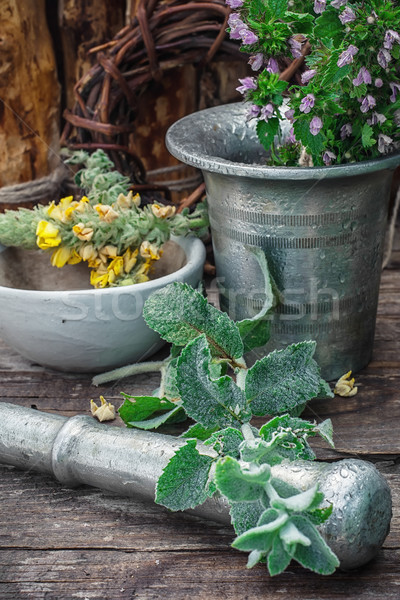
245,515
210,402
318,556
199,432
238,484
255,332
299,502
278,558
262,536
180,314
184,481
283,380
226,441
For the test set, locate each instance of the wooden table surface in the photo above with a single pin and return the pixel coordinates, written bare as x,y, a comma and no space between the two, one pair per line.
58,543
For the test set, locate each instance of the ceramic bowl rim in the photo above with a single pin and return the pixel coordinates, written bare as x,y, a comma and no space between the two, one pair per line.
192,246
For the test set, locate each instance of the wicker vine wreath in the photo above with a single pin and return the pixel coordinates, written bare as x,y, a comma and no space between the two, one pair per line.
163,35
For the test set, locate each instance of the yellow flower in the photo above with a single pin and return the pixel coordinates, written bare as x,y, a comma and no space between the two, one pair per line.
116,266
130,259
98,280
83,233
163,212
60,257
107,252
54,211
74,258
127,201
148,250
104,412
106,212
88,252
345,387
47,235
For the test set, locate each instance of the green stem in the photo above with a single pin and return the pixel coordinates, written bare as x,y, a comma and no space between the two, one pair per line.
135,369
247,432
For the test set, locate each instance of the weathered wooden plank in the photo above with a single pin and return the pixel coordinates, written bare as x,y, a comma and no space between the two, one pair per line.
63,575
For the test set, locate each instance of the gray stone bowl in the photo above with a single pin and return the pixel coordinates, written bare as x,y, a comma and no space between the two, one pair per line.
52,317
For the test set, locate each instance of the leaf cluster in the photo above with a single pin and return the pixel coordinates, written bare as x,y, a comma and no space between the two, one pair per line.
207,380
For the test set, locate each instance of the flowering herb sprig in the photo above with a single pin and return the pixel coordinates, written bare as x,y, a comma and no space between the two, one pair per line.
106,228
206,378
348,106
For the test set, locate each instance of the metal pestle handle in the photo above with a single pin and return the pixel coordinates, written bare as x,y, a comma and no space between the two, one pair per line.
79,450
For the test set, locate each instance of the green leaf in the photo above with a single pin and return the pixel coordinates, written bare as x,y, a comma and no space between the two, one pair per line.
283,380
328,26
313,143
226,441
278,7
245,515
138,408
299,502
238,484
211,402
325,430
318,556
199,432
255,332
176,415
262,536
278,558
366,136
266,131
320,515
168,380
180,314
184,481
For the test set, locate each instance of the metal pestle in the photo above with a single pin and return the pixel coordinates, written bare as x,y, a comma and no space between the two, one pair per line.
79,450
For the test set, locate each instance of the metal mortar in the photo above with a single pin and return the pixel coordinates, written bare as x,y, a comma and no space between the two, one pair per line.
79,450
321,229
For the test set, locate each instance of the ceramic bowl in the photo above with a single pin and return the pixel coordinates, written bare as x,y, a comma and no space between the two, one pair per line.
52,317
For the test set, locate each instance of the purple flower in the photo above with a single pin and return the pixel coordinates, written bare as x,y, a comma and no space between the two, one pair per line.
267,112
384,57
395,87
295,48
235,23
346,131
363,76
248,37
378,82
256,61
308,75
390,38
384,142
272,66
234,3
289,114
291,139
248,83
376,118
367,103
347,56
338,3
315,125
328,157
347,16
253,112
319,6
307,103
